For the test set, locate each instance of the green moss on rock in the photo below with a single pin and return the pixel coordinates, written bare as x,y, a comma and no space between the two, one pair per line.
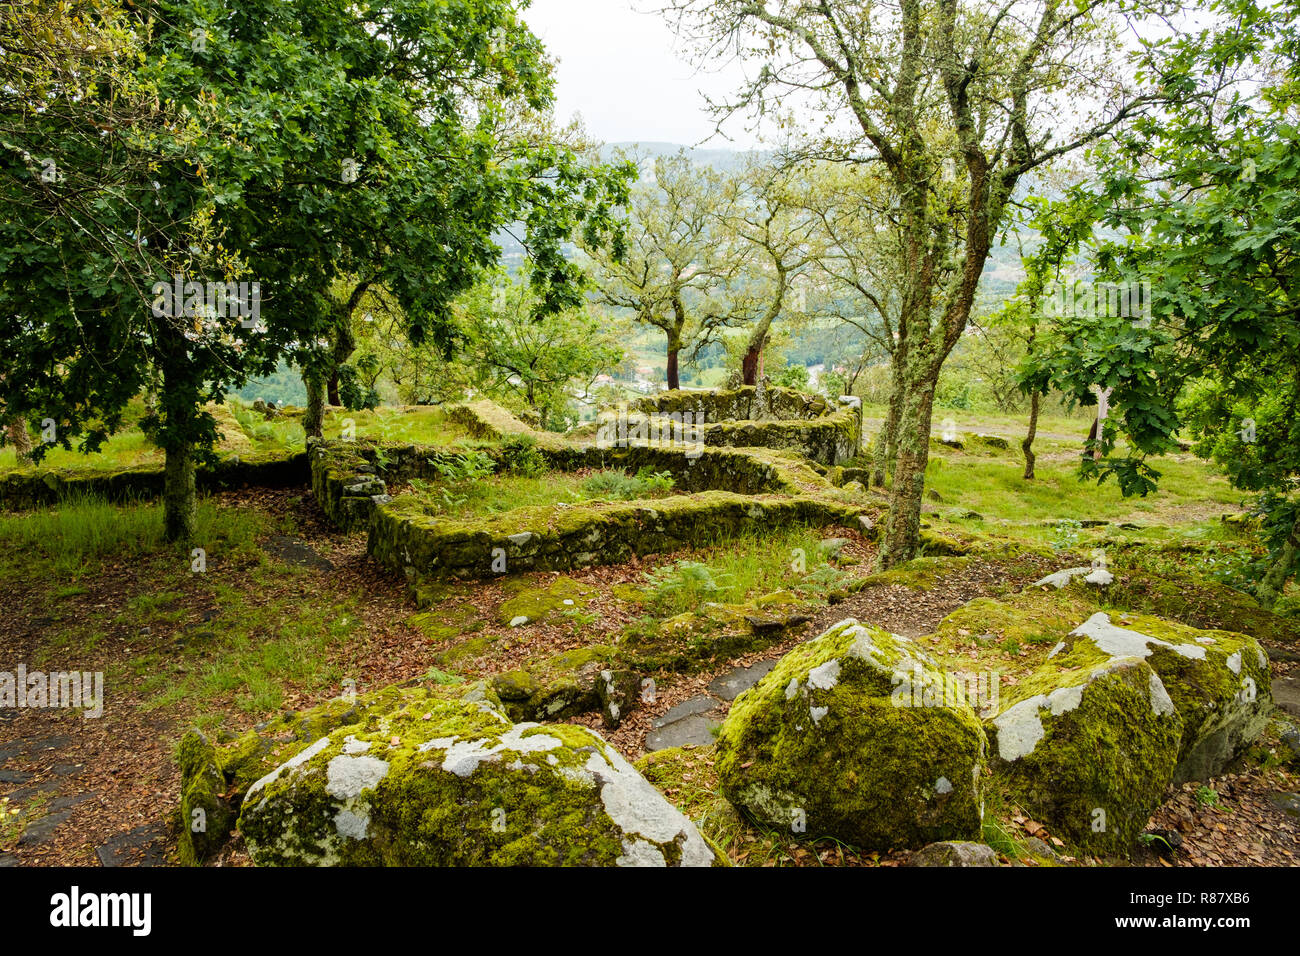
1089,745
534,602
1219,682
829,745
442,782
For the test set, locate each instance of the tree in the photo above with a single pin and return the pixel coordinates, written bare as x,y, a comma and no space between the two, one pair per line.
1063,225
677,265
955,102
1209,199
764,211
518,355
859,264
289,144
101,192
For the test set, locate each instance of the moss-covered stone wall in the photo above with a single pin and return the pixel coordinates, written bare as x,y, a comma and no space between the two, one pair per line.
42,487
780,419
556,538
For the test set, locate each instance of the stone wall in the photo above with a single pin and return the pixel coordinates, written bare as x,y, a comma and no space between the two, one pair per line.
780,418
556,538
26,489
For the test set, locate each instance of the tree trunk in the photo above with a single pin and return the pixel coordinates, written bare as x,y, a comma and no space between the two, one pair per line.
180,502
886,452
1274,581
1027,446
314,417
749,364
903,526
16,432
673,381
333,388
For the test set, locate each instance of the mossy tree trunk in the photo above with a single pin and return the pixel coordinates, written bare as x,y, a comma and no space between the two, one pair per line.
1274,581
903,526
345,343
751,364
180,499
321,378
675,345
313,418
886,451
1027,446
183,428
16,435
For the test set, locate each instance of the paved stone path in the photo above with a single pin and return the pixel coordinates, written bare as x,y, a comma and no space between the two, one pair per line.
692,722
51,802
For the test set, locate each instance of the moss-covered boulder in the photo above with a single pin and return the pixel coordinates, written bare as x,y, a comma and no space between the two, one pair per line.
214,778
1089,747
833,743
451,781
715,633
556,686
1218,682
531,601
206,817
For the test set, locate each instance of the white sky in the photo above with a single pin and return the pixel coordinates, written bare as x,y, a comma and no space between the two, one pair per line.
620,69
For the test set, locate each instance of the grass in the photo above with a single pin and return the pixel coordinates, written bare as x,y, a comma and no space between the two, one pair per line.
736,569
494,494
14,818
74,539
284,434
251,652
267,636
996,488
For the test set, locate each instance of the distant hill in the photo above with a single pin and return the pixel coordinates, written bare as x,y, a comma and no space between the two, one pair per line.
724,160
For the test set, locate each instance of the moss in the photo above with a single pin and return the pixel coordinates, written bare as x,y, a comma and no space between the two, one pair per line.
988,442
920,573
446,620
823,741
1200,603
205,816
1105,756
516,685
460,788
934,543
463,651
559,538
1025,625
535,603
1218,682
568,684
431,626
216,778
695,640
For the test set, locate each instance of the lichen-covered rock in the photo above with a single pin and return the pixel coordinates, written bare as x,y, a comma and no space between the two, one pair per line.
955,853
619,692
206,817
1089,747
1218,682
214,779
833,742
1096,576
446,781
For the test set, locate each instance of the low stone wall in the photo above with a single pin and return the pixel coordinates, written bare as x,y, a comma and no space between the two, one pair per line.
741,418
348,478
722,491
736,404
23,490
558,538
